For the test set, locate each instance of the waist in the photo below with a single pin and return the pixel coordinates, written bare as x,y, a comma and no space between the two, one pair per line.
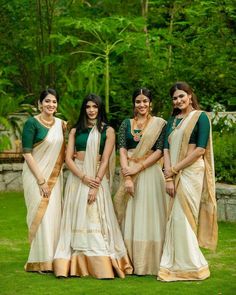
81,155
138,159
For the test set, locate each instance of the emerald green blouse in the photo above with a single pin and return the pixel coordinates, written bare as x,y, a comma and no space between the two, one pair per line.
33,132
81,139
200,133
126,140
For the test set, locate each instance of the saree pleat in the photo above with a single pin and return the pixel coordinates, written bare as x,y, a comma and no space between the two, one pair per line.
143,217
90,239
43,244
182,258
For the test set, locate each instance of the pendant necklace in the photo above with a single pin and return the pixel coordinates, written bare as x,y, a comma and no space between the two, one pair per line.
137,135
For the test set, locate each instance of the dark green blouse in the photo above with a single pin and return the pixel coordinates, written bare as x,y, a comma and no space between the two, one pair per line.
33,132
81,139
200,133
126,140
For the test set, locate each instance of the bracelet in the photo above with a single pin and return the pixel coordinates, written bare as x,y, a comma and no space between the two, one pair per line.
100,179
169,179
41,182
142,166
128,177
83,177
174,170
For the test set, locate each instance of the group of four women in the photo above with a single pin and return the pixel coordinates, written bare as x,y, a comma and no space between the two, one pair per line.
148,231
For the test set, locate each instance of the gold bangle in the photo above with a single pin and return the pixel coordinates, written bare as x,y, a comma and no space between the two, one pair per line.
142,166
100,179
83,177
41,182
169,179
174,170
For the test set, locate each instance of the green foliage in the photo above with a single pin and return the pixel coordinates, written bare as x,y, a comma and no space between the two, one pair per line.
225,156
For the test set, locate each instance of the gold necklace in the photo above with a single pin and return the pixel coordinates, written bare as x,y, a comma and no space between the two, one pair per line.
137,135
45,122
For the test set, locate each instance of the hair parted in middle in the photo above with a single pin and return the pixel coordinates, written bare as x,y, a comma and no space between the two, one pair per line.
82,122
143,91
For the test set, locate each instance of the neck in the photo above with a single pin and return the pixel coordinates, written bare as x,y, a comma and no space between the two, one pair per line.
46,117
142,117
186,111
92,122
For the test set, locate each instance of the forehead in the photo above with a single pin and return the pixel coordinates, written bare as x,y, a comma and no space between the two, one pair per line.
141,97
50,96
91,103
178,92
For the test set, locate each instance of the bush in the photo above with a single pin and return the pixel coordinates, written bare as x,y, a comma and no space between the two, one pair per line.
225,156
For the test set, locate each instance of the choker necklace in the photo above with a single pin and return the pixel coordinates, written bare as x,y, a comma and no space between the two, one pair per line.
91,123
48,124
137,135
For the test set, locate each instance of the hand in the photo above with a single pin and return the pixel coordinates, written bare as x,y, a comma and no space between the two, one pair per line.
168,173
170,188
131,170
91,182
92,195
44,190
129,186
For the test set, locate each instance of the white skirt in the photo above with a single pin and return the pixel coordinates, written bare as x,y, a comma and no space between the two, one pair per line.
145,221
90,239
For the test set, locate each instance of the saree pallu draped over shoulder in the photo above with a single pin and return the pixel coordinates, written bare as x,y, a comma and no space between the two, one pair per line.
44,214
143,217
90,239
193,219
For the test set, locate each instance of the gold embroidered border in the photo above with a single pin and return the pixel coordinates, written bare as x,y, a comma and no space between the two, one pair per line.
100,267
38,266
191,275
44,201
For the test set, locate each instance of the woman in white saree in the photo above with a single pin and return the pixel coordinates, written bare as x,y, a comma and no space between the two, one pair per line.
43,150
140,201
90,239
189,173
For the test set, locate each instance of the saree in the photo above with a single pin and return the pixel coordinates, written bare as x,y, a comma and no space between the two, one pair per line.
90,240
143,217
44,214
192,221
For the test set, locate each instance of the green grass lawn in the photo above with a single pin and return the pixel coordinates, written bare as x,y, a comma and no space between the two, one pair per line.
14,250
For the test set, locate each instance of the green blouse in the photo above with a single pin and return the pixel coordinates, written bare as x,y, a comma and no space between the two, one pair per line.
126,140
81,139
200,133
33,132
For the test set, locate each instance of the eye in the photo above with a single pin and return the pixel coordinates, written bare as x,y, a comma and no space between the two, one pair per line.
137,101
181,95
174,98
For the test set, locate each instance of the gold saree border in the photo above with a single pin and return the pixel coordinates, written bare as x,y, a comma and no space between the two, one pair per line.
45,201
100,267
150,135
189,275
205,227
38,266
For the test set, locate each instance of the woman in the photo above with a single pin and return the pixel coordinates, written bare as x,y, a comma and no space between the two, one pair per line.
140,201
90,240
43,150
189,173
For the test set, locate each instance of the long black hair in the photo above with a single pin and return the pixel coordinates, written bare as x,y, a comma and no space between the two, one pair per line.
82,122
47,91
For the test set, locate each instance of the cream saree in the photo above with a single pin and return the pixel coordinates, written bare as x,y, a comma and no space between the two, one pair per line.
192,221
44,214
90,239
143,217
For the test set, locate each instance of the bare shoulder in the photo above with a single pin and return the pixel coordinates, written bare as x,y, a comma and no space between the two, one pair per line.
72,132
110,131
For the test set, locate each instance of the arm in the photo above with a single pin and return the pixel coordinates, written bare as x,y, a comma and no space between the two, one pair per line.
44,189
109,145
89,181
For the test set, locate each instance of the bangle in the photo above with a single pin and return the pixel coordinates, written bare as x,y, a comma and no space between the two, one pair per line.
100,179
142,166
41,183
128,177
83,177
169,179
174,170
